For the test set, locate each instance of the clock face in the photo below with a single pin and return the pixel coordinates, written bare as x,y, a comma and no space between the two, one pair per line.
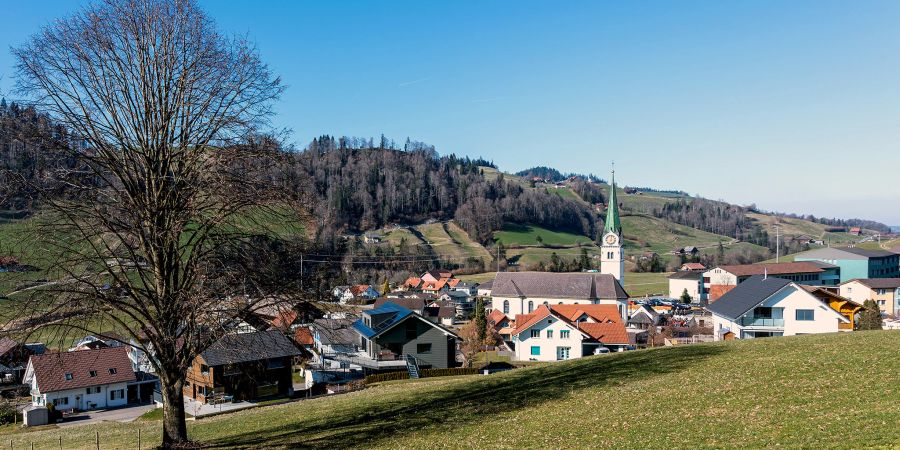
611,239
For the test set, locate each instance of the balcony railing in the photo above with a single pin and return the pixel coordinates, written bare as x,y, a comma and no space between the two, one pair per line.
761,322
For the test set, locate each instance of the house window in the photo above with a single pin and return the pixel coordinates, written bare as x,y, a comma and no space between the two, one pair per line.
62,401
535,333
549,334
113,371
564,334
530,306
204,369
805,314
562,352
423,348
117,394
505,306
92,373
68,377
535,350
93,390
411,329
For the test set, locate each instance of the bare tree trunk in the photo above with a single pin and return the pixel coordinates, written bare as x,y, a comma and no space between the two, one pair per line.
174,427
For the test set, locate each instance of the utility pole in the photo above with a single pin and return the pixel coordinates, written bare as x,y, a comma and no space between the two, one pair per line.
301,271
498,256
777,242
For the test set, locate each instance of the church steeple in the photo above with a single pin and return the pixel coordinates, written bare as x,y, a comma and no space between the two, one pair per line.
612,224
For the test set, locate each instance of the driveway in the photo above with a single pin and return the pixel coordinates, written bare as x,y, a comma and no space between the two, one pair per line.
126,414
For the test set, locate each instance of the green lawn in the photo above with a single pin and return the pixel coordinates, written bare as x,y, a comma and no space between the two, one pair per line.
525,234
642,284
824,391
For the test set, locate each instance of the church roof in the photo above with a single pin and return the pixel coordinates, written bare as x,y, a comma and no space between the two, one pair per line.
612,223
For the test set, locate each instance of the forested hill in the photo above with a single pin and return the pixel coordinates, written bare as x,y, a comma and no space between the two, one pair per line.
360,187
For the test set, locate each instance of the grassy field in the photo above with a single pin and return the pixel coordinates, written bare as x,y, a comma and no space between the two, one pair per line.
815,391
645,233
643,284
525,234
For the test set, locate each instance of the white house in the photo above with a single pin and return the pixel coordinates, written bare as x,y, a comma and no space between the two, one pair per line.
81,380
766,306
342,294
515,293
691,281
559,332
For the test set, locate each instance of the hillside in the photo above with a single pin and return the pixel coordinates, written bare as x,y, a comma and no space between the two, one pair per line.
820,391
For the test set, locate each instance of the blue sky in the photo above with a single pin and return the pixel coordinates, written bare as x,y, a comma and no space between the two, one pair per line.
791,105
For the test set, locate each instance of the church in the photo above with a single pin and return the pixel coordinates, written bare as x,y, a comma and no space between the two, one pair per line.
517,293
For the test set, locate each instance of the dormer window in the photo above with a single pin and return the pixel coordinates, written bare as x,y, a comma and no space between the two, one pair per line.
92,373
68,377
113,371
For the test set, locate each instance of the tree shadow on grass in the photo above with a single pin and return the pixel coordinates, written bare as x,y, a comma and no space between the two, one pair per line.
473,401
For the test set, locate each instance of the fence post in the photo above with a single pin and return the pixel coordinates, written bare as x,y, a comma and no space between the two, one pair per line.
60,443
97,434
139,439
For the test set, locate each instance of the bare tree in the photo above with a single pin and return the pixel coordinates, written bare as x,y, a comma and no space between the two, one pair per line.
160,231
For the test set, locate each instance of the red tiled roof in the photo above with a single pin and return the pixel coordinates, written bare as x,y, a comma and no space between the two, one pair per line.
496,317
693,266
412,282
359,289
51,369
284,319
453,282
7,344
773,268
434,285
607,328
303,336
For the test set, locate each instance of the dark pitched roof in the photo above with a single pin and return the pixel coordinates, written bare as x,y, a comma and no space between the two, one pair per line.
746,296
50,369
879,283
585,286
868,253
334,331
773,268
686,276
413,303
486,285
245,347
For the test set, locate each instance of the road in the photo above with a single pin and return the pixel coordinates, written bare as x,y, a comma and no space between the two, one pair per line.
127,414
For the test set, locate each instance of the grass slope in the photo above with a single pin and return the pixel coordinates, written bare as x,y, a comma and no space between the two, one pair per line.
824,391
526,234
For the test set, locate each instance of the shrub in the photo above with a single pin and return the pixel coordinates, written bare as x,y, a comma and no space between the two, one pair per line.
7,413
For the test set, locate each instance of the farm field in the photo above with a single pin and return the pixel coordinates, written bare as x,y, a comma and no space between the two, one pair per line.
767,384
526,234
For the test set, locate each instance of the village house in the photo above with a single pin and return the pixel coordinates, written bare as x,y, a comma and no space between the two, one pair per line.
364,292
856,263
242,366
485,289
80,380
334,336
884,291
643,318
767,306
719,280
390,334
692,282
515,293
844,306
692,267
14,358
372,238
689,251
342,294
559,332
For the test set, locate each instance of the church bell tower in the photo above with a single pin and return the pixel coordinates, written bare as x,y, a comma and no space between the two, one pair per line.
612,258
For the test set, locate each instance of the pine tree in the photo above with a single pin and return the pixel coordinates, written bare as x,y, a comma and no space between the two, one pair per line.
685,297
870,318
385,287
480,319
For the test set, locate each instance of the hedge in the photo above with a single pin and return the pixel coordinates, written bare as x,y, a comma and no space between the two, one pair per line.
424,373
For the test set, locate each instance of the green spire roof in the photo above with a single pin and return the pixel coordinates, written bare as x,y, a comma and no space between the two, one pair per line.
612,224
